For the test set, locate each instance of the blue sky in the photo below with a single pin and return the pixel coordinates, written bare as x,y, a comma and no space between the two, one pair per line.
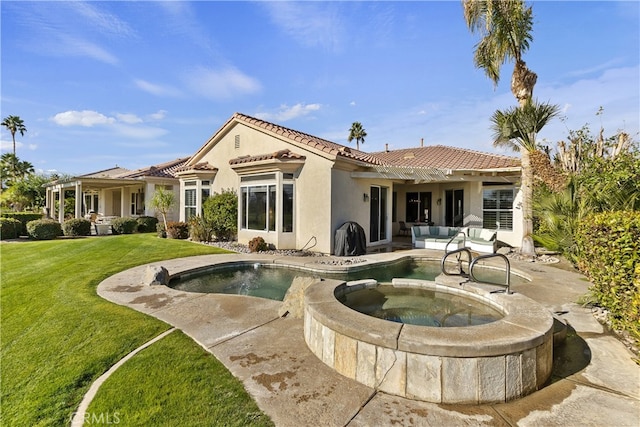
100,84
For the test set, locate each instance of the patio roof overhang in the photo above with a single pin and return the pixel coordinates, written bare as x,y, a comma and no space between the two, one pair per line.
426,175
89,184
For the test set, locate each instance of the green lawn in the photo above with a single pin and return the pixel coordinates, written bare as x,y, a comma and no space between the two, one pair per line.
58,336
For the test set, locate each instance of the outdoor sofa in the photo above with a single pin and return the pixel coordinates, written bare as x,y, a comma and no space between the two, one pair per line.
438,236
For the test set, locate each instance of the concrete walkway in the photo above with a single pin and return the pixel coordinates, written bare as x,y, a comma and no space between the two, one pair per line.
594,382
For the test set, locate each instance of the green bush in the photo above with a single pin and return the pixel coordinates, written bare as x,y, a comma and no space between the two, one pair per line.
76,227
9,228
221,212
44,229
24,218
177,230
124,225
199,229
147,224
257,244
608,252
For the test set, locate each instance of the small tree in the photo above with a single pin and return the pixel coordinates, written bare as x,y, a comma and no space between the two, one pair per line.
162,201
221,213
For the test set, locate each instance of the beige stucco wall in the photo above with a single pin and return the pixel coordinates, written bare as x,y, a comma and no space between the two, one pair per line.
313,183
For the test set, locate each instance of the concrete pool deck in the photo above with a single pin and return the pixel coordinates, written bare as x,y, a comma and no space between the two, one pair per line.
594,380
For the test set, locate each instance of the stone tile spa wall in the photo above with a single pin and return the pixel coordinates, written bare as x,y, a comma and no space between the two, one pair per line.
494,362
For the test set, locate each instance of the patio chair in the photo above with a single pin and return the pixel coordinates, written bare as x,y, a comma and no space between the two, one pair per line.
403,228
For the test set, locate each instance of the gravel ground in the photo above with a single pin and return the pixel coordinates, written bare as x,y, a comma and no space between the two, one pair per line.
321,258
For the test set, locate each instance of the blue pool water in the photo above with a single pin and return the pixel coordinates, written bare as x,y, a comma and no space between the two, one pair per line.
271,281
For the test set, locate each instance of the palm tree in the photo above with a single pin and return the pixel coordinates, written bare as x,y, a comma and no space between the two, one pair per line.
358,133
517,129
12,168
14,124
505,27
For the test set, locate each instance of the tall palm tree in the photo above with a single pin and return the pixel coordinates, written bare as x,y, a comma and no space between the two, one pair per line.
14,124
517,128
505,27
358,133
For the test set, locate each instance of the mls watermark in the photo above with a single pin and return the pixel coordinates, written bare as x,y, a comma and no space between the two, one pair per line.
102,418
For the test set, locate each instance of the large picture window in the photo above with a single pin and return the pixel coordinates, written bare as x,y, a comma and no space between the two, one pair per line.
497,209
259,209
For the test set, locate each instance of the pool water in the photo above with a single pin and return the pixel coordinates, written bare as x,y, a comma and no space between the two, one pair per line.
420,306
272,281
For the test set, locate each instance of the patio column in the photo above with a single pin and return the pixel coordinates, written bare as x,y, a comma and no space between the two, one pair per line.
79,197
123,203
61,205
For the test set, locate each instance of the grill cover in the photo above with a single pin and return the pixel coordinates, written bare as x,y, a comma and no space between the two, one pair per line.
350,240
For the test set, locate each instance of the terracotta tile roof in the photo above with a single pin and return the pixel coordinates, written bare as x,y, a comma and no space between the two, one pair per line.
163,170
310,140
442,157
278,155
202,166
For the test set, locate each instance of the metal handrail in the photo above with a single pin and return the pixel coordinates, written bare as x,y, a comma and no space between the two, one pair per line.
453,252
464,240
508,270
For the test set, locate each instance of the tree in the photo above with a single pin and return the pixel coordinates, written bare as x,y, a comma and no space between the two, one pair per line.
517,129
162,201
505,27
358,133
12,169
14,124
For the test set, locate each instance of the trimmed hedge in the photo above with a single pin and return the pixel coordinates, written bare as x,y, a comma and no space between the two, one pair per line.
147,224
44,229
124,225
24,218
177,230
609,254
9,228
77,227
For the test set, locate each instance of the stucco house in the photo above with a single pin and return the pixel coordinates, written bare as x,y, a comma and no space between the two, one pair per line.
295,190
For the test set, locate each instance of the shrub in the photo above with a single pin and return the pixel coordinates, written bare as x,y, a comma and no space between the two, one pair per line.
124,225
9,228
221,212
177,230
608,252
77,227
24,218
161,230
44,229
257,244
199,229
147,224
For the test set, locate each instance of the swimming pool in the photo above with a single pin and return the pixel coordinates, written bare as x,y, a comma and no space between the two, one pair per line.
272,281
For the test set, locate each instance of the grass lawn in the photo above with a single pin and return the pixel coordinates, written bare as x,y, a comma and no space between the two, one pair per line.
58,336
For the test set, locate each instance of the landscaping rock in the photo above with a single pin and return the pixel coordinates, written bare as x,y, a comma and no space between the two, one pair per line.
155,275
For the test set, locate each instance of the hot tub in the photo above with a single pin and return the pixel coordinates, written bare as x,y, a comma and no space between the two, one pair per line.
497,361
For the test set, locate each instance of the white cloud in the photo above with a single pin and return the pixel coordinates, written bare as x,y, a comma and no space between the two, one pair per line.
86,118
309,23
128,118
72,46
99,19
158,115
155,89
288,113
221,84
